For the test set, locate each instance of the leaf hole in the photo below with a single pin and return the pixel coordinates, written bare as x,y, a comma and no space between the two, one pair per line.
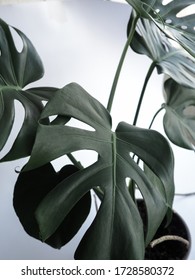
17,40
165,2
127,181
58,163
96,200
52,118
86,157
133,156
16,127
138,194
56,120
184,27
44,102
190,10
168,21
79,124
156,12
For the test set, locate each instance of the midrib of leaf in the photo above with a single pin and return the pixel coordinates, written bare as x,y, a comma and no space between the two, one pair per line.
12,66
10,87
21,83
114,183
2,105
24,67
167,55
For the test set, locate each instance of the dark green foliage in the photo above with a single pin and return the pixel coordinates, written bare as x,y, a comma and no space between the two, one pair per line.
52,206
32,187
18,69
179,119
181,29
168,58
117,231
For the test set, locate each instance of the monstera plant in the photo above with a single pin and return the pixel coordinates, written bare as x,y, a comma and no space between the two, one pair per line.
53,205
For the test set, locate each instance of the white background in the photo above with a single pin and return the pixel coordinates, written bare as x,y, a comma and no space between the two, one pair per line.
81,41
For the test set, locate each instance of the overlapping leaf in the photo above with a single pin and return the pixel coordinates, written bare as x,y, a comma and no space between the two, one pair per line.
179,119
117,230
17,69
173,61
32,187
182,28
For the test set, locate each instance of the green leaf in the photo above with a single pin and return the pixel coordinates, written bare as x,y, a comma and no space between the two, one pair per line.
117,230
30,190
181,29
179,119
17,69
175,62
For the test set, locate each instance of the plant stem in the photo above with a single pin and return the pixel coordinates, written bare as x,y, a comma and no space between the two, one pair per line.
121,61
150,71
159,110
185,194
74,161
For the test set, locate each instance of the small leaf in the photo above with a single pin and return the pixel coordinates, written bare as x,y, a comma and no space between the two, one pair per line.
30,190
179,119
117,230
17,69
175,62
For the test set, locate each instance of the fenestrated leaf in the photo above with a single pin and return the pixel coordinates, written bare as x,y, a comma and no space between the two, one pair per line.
175,62
17,69
165,16
179,119
117,230
30,190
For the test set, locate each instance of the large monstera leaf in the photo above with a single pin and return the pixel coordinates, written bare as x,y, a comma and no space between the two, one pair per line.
174,61
117,230
17,69
32,187
165,16
179,119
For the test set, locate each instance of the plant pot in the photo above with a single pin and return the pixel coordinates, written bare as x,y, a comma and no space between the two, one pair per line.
169,243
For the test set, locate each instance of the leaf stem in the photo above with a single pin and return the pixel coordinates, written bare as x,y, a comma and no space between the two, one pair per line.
121,61
159,110
185,194
74,161
149,73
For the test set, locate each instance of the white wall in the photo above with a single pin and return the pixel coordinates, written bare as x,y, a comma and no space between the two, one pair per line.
81,41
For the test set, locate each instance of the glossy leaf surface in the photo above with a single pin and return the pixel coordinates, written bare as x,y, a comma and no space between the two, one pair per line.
117,230
174,61
179,119
166,17
17,69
